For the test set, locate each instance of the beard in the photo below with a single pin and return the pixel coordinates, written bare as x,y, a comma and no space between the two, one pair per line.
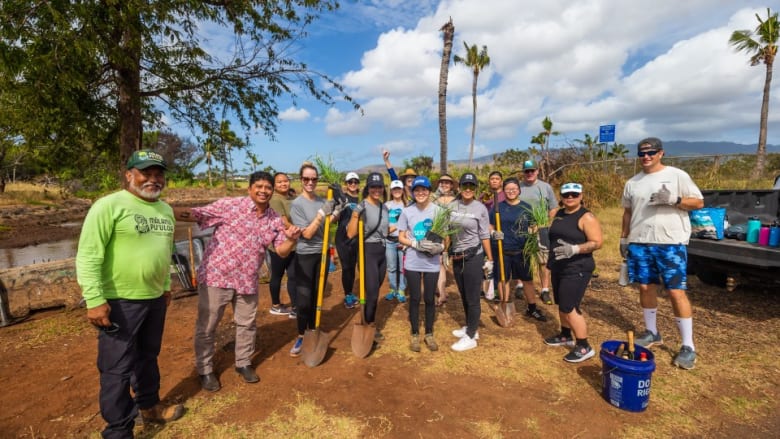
147,191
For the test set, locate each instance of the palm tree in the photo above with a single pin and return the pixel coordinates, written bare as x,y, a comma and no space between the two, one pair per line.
762,50
477,60
449,32
543,140
589,143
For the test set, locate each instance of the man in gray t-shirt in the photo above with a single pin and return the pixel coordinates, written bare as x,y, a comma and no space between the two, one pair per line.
533,191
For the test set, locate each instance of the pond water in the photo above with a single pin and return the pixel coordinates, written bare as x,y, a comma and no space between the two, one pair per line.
54,251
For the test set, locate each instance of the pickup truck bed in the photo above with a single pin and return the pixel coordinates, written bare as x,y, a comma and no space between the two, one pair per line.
729,261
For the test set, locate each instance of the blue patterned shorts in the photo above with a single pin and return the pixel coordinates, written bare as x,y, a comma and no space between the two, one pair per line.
652,263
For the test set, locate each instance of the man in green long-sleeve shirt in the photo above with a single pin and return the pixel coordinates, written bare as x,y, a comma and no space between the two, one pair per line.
123,268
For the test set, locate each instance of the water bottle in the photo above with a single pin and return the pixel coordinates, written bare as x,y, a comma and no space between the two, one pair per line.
774,235
623,278
763,236
753,227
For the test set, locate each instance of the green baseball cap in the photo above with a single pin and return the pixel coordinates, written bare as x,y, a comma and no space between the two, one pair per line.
145,158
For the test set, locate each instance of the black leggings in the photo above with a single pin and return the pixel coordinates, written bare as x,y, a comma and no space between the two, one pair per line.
376,267
468,277
414,280
569,289
278,266
307,269
348,255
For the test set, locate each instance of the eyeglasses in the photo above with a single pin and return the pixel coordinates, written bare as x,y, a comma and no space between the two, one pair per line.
570,195
651,153
529,171
353,181
309,179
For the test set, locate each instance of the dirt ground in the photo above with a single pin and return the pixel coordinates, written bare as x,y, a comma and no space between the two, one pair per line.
512,385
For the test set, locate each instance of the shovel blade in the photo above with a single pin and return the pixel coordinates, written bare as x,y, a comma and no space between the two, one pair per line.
315,346
511,311
501,316
362,339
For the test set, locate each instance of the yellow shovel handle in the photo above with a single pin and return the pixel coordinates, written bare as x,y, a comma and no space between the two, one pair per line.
323,265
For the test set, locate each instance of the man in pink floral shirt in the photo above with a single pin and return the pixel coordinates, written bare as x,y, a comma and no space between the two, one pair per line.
244,227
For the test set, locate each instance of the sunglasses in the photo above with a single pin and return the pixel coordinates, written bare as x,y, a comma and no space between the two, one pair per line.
468,186
570,195
530,171
651,153
353,181
309,179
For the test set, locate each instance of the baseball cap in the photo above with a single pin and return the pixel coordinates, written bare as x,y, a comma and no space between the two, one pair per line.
375,179
421,181
396,184
468,178
351,176
571,187
650,143
529,164
145,158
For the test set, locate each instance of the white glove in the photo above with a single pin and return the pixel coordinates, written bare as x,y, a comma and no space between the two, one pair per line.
487,267
565,250
496,235
338,207
624,248
430,247
662,198
327,207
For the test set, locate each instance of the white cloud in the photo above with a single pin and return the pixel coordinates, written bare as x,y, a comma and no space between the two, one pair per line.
294,115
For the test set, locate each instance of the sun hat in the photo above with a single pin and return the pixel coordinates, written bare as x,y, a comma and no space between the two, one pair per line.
145,158
396,184
468,178
529,164
375,179
571,187
352,176
446,177
421,181
408,173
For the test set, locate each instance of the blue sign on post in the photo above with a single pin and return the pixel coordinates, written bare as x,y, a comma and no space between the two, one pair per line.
606,133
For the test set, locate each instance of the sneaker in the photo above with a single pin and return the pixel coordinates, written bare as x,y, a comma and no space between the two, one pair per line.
390,296
161,414
461,332
296,349
686,358
414,346
293,314
536,314
378,336
350,301
519,293
545,296
579,354
464,344
280,310
490,295
647,339
431,342
401,298
559,340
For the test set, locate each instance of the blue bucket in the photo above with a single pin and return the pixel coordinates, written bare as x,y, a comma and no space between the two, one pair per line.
626,383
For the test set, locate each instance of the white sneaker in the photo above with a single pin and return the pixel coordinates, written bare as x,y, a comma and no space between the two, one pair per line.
464,344
461,332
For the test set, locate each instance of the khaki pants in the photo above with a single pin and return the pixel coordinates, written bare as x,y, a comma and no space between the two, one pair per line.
211,307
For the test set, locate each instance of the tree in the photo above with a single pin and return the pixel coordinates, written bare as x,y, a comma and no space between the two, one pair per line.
449,31
96,72
543,140
477,60
589,143
422,163
761,50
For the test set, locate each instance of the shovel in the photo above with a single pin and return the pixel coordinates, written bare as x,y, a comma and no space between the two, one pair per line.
505,310
315,342
362,332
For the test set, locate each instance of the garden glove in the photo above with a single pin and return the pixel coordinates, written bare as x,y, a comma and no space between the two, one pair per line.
327,207
338,207
624,248
487,267
432,248
565,250
662,198
496,235
544,252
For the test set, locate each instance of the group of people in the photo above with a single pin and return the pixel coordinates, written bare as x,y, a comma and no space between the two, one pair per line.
125,252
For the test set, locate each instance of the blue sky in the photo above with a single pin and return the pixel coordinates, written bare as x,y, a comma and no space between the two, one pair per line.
661,68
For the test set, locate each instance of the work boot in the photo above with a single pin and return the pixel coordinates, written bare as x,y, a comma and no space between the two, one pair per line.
209,382
431,342
414,346
161,413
